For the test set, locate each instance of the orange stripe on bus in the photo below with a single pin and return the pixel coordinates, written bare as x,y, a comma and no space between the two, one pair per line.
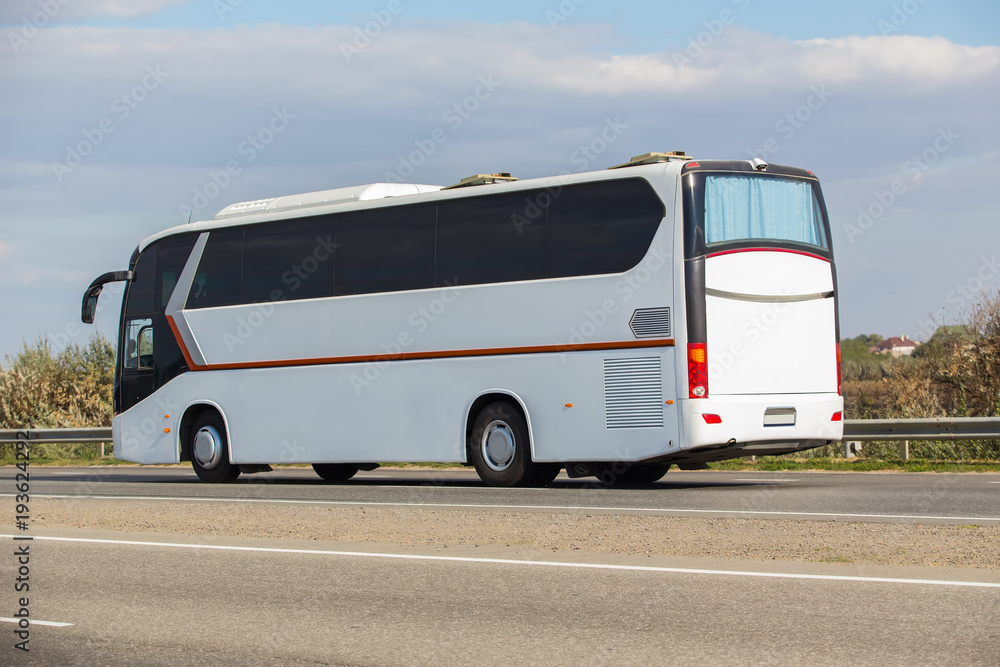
409,356
180,343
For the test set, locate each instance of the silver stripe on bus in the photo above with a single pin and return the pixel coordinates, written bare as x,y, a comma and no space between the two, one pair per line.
767,298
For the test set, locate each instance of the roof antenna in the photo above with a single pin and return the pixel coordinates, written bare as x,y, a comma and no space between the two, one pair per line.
190,213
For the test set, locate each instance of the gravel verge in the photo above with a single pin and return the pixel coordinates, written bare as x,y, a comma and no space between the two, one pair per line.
760,539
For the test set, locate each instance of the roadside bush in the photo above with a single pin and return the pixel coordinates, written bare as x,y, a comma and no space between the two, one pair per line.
71,389
955,374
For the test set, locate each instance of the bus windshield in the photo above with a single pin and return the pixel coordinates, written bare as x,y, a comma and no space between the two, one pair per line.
746,208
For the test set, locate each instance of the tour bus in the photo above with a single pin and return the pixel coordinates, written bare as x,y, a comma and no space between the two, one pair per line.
667,311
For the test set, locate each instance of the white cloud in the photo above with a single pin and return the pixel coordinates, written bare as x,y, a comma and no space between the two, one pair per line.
15,11
889,97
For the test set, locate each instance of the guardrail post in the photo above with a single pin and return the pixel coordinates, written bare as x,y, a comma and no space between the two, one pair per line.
904,450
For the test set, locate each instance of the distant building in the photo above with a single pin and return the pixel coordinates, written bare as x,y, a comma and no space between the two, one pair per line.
897,346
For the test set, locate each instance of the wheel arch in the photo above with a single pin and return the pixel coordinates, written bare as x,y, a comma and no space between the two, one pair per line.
484,399
191,414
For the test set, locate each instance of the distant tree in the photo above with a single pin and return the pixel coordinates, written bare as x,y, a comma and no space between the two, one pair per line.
857,362
968,364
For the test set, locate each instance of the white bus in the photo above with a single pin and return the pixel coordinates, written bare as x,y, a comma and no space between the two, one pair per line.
663,312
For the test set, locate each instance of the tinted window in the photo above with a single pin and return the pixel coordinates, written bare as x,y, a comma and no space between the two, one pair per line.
140,290
289,260
385,250
219,278
601,227
171,255
481,241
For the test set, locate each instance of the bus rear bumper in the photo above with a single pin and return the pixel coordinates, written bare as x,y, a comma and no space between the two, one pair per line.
761,424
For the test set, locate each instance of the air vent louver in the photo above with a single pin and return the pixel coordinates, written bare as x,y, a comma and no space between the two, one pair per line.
633,393
651,323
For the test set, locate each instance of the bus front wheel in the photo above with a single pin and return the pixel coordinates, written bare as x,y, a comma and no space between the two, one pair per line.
210,450
499,447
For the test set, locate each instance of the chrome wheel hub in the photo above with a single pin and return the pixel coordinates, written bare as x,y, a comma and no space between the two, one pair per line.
208,447
498,445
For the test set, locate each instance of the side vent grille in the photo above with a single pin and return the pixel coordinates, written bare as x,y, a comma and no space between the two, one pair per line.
651,323
633,393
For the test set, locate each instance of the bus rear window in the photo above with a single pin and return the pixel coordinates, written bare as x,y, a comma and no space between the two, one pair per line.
760,208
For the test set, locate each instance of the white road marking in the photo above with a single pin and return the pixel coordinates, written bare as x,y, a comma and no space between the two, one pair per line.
54,624
532,563
579,508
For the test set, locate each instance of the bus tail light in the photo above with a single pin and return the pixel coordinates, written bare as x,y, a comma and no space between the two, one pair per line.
712,419
697,370
837,417
839,392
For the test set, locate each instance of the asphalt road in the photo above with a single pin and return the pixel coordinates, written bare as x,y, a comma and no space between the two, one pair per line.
189,604
893,497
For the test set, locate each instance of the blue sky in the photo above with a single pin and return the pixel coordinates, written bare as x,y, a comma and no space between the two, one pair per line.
644,26
893,104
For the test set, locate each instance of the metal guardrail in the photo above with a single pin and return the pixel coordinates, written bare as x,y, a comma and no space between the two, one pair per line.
47,436
937,428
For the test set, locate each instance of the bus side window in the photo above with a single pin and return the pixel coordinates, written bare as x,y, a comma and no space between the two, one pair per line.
138,343
145,345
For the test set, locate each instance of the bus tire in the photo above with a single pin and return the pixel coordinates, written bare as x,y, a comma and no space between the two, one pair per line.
648,473
210,450
335,472
546,474
499,447
633,475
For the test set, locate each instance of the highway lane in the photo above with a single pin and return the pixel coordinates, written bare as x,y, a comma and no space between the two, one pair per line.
149,604
895,497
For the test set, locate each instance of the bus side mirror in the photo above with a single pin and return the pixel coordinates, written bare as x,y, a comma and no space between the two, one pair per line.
89,309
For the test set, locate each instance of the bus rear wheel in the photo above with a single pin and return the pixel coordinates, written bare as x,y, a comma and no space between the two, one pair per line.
499,448
632,474
335,472
210,450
